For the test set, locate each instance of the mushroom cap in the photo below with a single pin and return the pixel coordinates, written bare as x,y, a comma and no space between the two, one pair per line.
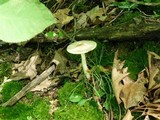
81,47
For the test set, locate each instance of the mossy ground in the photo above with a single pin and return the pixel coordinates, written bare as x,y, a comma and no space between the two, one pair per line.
37,110
30,108
73,111
77,112
33,107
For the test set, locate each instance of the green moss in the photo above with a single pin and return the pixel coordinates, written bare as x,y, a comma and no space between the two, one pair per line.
17,112
76,112
70,88
5,69
32,107
40,109
102,55
29,95
136,61
136,56
127,17
10,89
37,110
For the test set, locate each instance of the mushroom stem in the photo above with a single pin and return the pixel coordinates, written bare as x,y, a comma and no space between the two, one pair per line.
84,65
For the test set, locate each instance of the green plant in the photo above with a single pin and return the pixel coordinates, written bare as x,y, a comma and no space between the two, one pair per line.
70,89
125,5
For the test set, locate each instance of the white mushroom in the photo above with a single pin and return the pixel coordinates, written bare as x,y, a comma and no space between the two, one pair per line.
82,47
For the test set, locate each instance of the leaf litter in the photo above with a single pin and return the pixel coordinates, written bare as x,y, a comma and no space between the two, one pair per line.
140,95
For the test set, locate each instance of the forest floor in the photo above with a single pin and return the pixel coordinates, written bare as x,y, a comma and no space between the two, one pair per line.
125,76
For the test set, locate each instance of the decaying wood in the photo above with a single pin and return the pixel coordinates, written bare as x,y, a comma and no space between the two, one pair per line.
30,86
123,32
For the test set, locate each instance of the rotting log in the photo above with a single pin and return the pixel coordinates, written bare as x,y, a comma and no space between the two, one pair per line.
123,32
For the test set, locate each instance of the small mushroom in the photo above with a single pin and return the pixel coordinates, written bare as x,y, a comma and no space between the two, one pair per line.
82,47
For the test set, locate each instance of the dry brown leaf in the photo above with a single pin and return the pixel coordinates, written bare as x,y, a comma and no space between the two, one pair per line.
82,21
152,110
43,85
26,69
154,70
96,13
62,68
118,74
154,114
108,2
59,1
63,17
133,92
128,116
147,118
157,96
53,106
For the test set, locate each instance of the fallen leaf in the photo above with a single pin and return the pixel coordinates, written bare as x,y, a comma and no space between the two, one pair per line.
63,17
153,110
157,96
59,1
146,117
26,69
96,13
155,114
133,92
53,106
128,116
154,70
59,57
118,74
43,85
82,21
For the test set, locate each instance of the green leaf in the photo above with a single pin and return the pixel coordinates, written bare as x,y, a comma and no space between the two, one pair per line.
82,102
125,5
107,105
21,20
51,35
99,93
3,1
75,98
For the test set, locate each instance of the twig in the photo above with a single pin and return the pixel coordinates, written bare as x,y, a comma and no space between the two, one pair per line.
119,14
